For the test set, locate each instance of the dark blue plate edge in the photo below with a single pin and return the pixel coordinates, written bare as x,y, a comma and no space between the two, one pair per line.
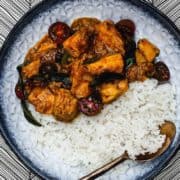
162,18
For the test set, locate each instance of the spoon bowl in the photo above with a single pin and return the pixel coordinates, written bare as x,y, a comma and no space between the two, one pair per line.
169,130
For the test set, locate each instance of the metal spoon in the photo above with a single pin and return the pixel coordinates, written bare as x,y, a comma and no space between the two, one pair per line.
168,129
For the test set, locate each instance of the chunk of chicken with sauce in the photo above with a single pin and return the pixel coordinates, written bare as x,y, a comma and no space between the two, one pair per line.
78,43
65,106
39,49
58,102
42,99
35,55
108,39
112,90
146,51
140,72
111,63
31,69
80,80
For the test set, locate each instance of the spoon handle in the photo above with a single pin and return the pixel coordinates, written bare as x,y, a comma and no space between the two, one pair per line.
105,167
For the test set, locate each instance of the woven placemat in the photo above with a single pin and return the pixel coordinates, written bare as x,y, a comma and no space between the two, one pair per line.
10,12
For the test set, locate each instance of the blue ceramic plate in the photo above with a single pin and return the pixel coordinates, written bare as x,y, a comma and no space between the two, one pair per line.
19,133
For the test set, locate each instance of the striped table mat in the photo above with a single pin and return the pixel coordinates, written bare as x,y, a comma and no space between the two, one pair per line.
10,11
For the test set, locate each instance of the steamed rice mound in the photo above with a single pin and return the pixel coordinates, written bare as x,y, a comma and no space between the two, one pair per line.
70,152
131,123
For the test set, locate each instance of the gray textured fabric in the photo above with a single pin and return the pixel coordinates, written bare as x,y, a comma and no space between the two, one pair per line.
10,11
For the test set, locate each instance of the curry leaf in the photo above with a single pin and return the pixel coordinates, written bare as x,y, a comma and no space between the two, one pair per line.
91,60
105,78
28,115
65,58
129,62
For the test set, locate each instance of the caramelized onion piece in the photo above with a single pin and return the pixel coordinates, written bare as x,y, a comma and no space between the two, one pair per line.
161,72
59,32
126,27
91,105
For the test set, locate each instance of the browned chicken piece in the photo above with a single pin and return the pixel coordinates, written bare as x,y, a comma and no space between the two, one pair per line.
42,99
140,72
112,90
40,48
78,43
80,80
140,57
111,63
65,106
146,51
108,39
84,22
31,69
58,102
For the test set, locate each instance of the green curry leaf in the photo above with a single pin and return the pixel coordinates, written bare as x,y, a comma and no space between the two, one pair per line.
65,58
129,62
27,114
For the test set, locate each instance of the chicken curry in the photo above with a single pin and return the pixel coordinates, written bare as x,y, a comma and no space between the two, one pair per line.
81,67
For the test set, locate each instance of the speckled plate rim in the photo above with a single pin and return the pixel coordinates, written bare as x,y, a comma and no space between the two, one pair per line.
13,35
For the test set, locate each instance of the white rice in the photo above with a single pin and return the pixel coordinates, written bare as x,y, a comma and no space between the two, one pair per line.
68,151
129,123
